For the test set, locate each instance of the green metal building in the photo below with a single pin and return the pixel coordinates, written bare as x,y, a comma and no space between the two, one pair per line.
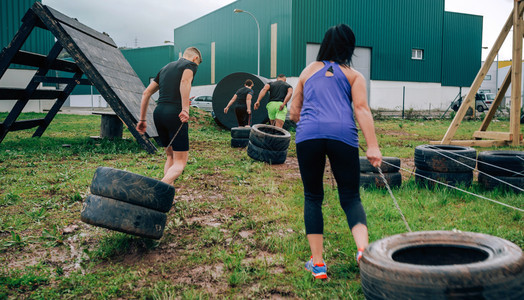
11,13
408,40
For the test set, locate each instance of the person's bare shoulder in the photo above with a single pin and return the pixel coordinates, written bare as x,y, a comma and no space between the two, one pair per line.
352,75
311,69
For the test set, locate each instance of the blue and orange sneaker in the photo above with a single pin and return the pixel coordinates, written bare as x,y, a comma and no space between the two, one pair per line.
319,271
360,252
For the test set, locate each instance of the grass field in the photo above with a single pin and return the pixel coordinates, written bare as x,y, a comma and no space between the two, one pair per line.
235,231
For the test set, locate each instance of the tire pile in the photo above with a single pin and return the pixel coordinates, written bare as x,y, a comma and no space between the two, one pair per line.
128,203
268,144
449,164
370,176
496,168
240,137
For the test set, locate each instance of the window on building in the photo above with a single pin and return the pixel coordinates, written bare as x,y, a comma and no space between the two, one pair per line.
488,77
417,54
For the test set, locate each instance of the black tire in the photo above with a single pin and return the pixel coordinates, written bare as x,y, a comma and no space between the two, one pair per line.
264,155
442,265
239,143
240,132
457,158
389,165
133,188
480,108
454,179
374,180
124,217
511,161
491,183
270,137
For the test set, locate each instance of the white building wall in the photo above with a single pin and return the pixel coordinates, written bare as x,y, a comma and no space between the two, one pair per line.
19,78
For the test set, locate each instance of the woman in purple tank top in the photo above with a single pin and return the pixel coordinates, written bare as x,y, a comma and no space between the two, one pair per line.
329,92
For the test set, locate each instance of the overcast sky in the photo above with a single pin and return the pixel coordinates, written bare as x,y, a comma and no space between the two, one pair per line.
145,23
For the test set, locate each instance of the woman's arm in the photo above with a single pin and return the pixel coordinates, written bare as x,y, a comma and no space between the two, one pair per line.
365,118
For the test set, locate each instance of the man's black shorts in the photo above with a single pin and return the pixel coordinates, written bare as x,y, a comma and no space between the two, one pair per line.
167,124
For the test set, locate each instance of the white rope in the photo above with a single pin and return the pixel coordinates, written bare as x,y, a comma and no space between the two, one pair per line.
394,199
489,175
454,187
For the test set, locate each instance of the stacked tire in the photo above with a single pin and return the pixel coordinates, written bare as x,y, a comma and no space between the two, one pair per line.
449,164
268,144
128,202
370,176
498,168
240,137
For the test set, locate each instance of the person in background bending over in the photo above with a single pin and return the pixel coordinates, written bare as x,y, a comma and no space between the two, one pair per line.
172,112
322,106
279,95
243,107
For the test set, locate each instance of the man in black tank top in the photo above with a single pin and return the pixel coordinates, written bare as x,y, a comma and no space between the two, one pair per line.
243,107
172,112
279,94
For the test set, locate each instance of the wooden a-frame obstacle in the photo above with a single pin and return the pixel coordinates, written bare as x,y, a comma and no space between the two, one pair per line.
513,137
95,55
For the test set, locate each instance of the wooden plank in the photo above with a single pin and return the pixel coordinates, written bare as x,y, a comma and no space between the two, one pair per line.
7,54
478,79
17,94
79,55
58,104
496,103
493,135
38,7
62,80
473,143
516,76
25,124
38,60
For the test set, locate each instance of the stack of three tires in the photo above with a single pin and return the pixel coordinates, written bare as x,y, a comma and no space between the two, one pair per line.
128,202
268,144
240,137
370,176
449,164
503,169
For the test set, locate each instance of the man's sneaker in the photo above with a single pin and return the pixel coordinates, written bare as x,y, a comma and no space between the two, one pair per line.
360,252
319,271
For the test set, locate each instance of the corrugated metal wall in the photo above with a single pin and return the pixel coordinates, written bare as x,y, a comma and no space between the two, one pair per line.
462,49
390,28
11,13
148,61
235,37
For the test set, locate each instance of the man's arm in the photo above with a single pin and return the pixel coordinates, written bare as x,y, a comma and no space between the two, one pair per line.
185,89
248,103
230,103
261,95
146,95
286,99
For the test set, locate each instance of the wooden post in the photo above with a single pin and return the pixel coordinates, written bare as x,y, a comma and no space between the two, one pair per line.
498,100
516,76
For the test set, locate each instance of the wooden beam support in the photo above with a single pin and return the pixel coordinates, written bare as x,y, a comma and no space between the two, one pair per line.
496,103
476,143
17,94
493,135
28,93
516,75
25,124
480,76
38,60
58,104
62,80
28,23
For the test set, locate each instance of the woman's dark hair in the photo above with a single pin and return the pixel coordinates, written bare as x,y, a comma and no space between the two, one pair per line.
248,82
338,45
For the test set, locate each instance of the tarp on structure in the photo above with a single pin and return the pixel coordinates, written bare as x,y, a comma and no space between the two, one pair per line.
95,55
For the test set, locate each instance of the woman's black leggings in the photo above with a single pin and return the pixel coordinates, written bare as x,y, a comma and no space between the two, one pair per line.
345,165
